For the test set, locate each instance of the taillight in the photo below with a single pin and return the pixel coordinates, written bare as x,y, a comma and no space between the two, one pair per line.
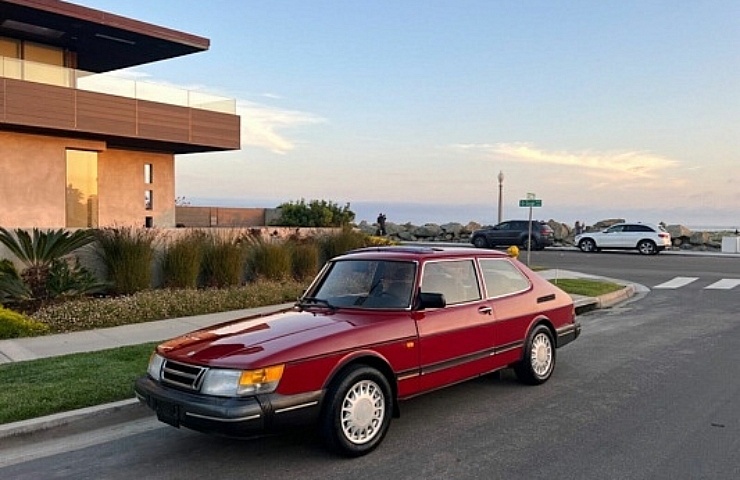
663,235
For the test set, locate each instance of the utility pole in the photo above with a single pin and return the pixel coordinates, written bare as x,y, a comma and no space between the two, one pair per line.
500,195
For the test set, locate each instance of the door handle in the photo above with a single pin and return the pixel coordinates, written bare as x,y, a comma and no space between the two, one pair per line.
485,310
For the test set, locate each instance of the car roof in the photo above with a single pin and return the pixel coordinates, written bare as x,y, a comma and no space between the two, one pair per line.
635,223
418,252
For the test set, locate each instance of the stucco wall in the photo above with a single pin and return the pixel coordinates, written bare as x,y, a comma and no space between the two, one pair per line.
33,177
121,188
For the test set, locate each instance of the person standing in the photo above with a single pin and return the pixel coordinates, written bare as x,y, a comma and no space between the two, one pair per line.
381,224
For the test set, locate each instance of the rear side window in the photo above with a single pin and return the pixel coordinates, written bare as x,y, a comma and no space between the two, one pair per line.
455,279
502,278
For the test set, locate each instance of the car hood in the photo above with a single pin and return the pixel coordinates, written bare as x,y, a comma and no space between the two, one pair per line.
275,338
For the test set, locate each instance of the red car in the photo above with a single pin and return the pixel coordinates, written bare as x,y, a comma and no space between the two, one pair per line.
376,326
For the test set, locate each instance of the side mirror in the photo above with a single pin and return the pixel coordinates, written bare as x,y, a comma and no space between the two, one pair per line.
431,300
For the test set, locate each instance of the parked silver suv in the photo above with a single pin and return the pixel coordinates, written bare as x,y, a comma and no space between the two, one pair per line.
648,239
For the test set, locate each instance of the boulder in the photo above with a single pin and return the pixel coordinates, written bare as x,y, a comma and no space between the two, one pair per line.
427,230
452,229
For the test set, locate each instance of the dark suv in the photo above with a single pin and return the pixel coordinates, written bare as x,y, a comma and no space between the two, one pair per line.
514,232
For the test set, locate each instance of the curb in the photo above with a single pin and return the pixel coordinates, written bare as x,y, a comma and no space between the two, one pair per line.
106,414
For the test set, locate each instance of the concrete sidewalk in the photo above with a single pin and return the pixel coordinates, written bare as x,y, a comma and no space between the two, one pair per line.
23,349
31,348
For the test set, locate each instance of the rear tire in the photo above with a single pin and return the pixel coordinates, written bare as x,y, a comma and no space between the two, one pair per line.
538,362
526,244
647,247
358,411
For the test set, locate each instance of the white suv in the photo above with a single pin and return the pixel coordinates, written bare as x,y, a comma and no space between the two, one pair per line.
646,238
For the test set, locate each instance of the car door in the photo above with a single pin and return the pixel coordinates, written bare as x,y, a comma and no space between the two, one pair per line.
455,341
612,237
507,233
508,292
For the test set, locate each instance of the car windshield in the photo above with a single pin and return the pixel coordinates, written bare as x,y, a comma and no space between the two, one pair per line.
371,284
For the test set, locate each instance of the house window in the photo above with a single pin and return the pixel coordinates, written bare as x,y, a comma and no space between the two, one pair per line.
148,173
44,64
82,189
148,199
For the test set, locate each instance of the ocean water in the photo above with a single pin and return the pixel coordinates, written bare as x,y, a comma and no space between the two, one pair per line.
697,219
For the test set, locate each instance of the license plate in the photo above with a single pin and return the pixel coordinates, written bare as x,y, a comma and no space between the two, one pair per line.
168,413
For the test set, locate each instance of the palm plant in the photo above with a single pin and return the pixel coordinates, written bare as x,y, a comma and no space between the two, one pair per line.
12,287
38,250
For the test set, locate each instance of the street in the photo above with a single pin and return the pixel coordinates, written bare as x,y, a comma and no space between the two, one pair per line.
649,391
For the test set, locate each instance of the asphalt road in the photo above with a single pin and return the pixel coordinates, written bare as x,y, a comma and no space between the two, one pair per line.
649,391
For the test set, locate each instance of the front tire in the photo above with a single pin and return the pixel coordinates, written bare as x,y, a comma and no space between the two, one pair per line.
358,412
587,245
647,247
538,362
480,242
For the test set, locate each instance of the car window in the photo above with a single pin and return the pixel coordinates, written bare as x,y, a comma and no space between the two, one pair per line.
641,228
502,278
615,229
456,280
368,284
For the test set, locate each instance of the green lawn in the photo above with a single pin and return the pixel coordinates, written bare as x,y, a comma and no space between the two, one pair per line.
58,384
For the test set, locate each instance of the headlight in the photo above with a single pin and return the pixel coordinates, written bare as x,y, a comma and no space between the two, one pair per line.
155,366
230,383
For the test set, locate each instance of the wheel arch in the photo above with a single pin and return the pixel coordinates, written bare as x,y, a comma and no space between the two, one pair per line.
370,359
542,320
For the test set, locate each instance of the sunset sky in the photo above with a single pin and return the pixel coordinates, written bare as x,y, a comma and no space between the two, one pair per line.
602,109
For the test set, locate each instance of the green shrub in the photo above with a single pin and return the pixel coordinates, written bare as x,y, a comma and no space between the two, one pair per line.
272,261
317,213
305,260
150,305
38,250
14,325
223,262
12,288
181,261
337,244
128,255
67,278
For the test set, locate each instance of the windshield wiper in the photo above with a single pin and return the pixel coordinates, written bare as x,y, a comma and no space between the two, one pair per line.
309,302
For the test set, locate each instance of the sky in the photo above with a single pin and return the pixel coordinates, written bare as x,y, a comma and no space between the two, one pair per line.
602,109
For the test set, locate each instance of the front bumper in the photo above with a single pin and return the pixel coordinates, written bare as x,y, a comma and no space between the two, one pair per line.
233,416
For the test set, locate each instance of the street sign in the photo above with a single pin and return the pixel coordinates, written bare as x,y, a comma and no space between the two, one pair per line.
530,203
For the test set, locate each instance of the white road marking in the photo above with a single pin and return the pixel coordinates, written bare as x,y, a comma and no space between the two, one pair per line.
677,282
725,284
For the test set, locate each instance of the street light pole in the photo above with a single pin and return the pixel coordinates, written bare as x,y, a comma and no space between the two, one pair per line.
500,194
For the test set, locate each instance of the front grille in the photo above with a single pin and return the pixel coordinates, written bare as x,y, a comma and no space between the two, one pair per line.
181,375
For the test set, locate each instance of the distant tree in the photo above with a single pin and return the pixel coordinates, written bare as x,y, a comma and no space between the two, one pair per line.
316,213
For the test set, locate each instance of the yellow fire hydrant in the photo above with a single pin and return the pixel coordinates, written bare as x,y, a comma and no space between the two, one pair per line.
513,251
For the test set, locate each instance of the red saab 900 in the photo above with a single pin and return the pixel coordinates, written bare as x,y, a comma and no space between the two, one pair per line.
376,326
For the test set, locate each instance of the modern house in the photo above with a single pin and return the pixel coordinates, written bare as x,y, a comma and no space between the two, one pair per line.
82,148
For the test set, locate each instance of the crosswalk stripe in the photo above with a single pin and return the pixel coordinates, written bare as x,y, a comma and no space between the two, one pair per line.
725,284
677,282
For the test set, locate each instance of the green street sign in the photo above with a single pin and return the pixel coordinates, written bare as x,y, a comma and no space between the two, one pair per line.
530,203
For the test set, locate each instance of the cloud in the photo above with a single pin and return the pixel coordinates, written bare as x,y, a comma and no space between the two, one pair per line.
626,164
261,125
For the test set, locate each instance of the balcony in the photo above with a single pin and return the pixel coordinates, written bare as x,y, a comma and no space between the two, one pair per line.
126,113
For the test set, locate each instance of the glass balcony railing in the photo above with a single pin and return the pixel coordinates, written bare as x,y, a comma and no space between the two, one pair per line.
109,84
